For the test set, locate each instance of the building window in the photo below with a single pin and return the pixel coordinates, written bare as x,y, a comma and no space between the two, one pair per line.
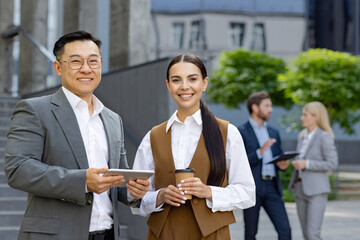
195,35
178,35
259,41
237,31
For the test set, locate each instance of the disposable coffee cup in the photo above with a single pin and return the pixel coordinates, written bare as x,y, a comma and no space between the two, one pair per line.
181,174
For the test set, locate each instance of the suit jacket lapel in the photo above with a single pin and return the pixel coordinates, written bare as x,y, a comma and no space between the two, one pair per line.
300,141
68,122
113,144
312,141
252,132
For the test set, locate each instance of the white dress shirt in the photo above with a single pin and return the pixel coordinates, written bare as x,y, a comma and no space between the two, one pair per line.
305,144
96,146
240,193
262,136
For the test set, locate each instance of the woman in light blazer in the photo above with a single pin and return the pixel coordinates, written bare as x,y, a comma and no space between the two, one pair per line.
317,157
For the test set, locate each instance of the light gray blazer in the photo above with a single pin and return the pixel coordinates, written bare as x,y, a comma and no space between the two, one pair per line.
45,156
323,157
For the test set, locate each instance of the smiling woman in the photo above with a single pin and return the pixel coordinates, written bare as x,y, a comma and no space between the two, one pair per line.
186,84
193,138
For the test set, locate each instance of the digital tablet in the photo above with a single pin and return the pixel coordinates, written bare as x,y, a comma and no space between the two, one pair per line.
284,156
129,174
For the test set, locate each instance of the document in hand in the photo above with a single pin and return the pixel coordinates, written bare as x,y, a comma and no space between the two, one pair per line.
284,156
129,174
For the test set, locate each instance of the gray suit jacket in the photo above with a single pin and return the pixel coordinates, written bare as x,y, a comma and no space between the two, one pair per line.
323,157
45,156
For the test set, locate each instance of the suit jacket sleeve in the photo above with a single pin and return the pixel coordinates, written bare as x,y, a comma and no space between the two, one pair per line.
251,144
25,166
276,147
328,154
253,157
122,193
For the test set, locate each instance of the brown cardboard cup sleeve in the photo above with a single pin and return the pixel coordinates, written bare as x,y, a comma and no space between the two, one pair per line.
181,174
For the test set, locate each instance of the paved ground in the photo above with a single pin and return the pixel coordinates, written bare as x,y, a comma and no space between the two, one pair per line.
342,217
342,221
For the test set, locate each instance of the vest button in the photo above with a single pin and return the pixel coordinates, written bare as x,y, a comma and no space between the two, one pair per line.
195,201
89,202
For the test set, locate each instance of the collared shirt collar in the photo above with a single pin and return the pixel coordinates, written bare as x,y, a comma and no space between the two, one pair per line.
255,124
75,100
311,134
196,116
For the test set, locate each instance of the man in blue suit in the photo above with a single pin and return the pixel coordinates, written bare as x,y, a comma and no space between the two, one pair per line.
262,143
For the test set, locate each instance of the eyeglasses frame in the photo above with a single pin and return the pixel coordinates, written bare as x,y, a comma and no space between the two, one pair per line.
87,61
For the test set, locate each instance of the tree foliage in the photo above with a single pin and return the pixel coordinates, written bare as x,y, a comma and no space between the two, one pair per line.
242,73
329,77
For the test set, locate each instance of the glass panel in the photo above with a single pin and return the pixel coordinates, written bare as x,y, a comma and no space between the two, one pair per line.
259,43
195,35
237,31
178,35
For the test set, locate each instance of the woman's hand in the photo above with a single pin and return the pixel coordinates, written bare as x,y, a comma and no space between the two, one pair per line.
137,188
194,186
170,195
283,164
299,164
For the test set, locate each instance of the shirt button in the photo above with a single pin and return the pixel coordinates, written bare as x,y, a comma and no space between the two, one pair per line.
195,201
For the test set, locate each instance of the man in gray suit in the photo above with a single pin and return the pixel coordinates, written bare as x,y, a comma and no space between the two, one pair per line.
59,146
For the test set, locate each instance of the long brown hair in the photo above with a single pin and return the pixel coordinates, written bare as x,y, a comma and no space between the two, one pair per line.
211,131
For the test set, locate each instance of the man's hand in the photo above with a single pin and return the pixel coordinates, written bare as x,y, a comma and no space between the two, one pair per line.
283,164
138,188
299,164
266,145
96,183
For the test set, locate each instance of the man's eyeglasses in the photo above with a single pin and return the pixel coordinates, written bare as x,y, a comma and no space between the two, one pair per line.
75,63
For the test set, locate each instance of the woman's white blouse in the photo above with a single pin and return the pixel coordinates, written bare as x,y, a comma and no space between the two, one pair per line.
240,193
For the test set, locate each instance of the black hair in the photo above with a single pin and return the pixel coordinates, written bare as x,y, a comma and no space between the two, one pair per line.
256,98
71,37
211,131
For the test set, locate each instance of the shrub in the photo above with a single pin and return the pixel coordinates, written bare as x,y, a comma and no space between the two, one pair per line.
242,73
329,77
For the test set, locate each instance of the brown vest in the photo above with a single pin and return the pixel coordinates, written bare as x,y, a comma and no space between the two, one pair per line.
208,221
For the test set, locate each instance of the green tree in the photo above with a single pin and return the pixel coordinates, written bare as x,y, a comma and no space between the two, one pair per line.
242,73
329,77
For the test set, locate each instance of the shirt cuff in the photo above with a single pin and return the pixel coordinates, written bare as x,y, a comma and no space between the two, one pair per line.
209,203
307,164
130,198
258,154
220,201
159,208
148,204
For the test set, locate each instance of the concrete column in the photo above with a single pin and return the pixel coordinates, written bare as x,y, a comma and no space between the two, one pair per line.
33,66
80,15
6,20
129,32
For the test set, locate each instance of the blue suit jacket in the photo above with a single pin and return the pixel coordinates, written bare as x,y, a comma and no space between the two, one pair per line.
251,145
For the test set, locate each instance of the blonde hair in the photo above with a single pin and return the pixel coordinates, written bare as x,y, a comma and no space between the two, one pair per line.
318,109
